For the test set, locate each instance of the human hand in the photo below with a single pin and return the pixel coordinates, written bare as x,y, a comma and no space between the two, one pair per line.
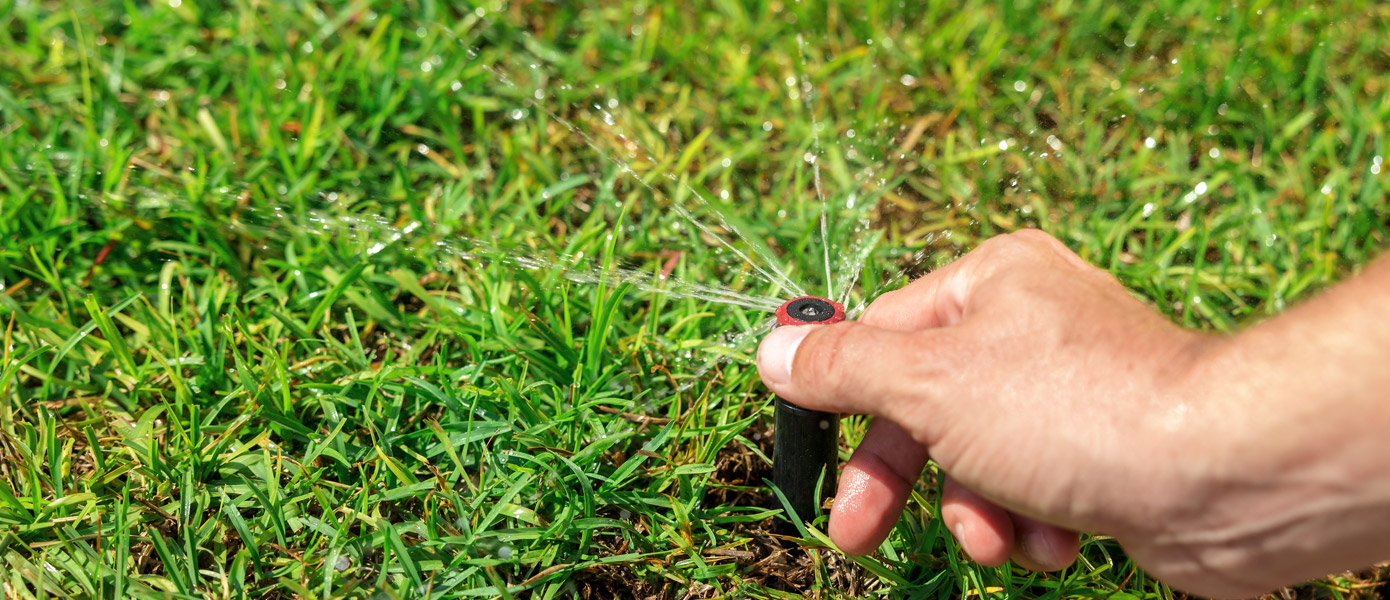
1053,399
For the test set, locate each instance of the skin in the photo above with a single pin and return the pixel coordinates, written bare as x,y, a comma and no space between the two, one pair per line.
1057,402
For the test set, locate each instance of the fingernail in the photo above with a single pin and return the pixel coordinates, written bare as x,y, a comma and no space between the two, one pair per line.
776,353
959,530
1039,548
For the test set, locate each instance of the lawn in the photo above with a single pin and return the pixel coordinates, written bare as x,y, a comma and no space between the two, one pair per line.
419,299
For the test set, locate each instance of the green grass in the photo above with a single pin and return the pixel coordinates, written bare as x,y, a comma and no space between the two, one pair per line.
202,397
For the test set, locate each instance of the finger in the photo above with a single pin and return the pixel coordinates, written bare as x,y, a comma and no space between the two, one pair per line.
937,299
855,368
1043,547
984,530
874,487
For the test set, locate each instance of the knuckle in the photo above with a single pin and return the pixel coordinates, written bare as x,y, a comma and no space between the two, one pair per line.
1012,247
1044,241
1035,236
1000,253
1037,242
1029,246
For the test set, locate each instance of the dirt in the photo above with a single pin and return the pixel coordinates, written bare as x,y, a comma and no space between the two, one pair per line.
764,558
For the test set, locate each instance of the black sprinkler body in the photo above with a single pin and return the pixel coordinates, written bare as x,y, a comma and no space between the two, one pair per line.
805,442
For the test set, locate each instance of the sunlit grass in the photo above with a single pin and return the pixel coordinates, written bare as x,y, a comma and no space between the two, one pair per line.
205,393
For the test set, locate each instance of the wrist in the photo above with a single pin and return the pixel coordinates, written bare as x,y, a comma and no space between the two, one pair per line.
1286,476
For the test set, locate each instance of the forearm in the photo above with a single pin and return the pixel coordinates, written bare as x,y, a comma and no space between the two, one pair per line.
1320,385
1301,406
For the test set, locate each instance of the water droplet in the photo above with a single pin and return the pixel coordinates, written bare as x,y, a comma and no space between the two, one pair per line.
480,12
307,47
1003,144
422,149
907,80
175,3
1150,142
726,162
426,66
767,125
517,114
1214,153
1201,188
1149,209
1019,86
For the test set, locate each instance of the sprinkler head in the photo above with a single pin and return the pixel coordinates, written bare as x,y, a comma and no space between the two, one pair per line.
810,310
806,442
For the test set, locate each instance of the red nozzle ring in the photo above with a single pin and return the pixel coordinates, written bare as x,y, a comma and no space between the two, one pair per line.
810,310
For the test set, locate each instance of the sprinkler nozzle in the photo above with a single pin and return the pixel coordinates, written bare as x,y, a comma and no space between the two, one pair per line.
810,310
806,443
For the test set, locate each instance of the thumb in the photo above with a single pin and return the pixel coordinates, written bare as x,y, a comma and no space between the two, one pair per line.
850,367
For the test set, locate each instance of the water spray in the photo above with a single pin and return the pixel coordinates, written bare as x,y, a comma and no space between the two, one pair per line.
805,453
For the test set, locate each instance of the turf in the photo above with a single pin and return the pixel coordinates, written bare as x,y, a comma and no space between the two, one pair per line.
294,297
